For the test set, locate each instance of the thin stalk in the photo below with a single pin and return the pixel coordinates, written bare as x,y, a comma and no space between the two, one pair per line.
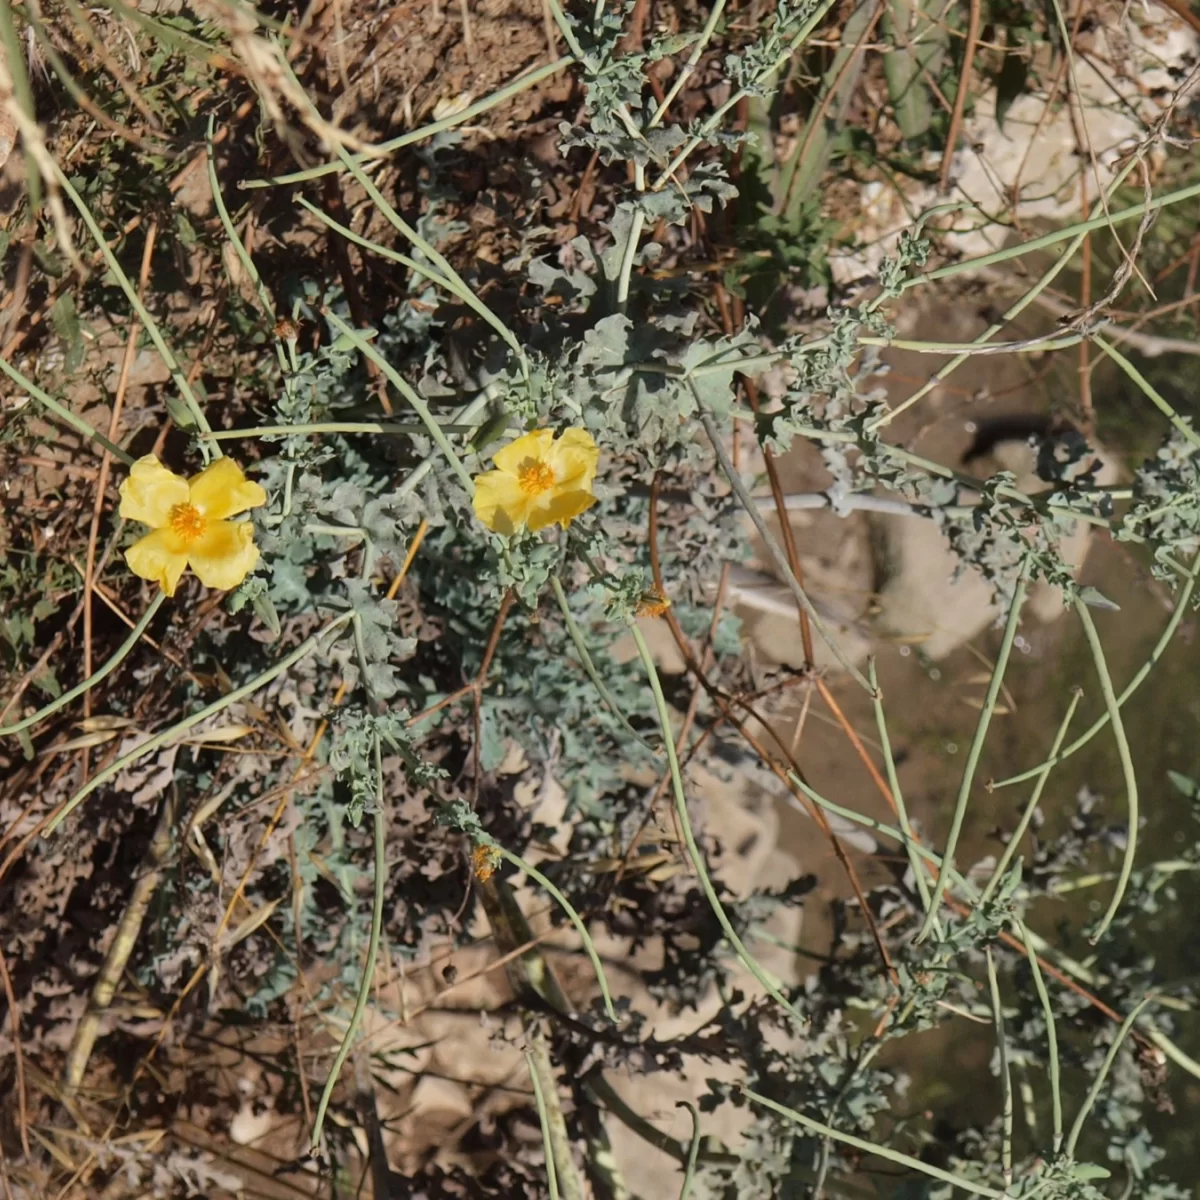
688,67
772,543
1039,984
214,186
520,84
585,658
95,677
379,843
580,928
1148,389
689,838
1006,1149
434,277
388,429
1126,757
848,1139
1066,233
544,1120
1182,605
160,739
65,415
689,1168
131,293
893,779
976,749
636,224
1018,306
1031,807
716,117
414,399
1097,1083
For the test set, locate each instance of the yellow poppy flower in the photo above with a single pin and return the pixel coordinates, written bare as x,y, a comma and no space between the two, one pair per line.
188,525
539,480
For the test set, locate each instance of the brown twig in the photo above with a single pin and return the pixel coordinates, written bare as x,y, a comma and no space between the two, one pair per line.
724,703
14,1017
960,96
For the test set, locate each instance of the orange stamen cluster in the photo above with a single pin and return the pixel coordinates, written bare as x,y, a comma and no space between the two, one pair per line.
535,478
186,522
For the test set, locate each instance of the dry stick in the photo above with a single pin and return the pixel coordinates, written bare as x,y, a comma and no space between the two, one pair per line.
772,544
148,878
960,96
14,1016
785,524
102,478
723,704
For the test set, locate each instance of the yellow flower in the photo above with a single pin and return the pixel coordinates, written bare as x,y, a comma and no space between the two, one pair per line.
540,480
187,523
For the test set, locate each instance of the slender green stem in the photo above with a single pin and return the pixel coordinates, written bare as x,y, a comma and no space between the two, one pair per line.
574,917
589,666
685,823
162,738
414,399
1006,1149
1126,757
1014,841
893,778
266,303
566,29
636,224
1038,944
515,88
772,543
434,277
976,749
379,897
848,1139
689,1168
1182,605
975,349
715,118
688,67
1094,1091
1039,984
1018,306
95,677
389,429
1148,389
65,415
452,280
544,1120
135,301
1066,233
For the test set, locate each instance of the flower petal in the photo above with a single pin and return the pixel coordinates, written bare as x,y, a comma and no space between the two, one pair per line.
224,554
574,458
500,501
221,490
160,557
528,448
560,508
150,492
